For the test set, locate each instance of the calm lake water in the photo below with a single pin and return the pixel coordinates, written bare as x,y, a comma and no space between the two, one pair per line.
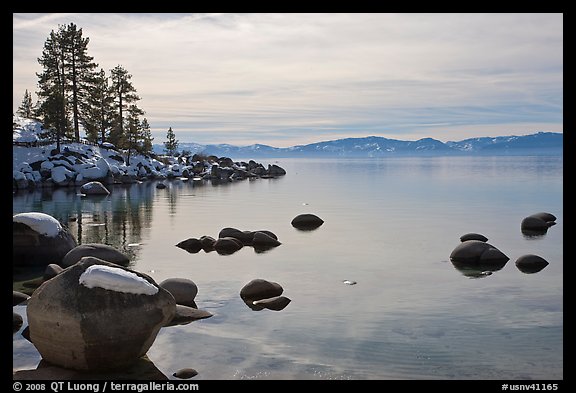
390,225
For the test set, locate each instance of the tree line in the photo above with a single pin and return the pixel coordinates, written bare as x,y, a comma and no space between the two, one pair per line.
74,91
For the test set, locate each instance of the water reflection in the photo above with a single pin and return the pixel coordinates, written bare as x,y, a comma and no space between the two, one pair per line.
477,270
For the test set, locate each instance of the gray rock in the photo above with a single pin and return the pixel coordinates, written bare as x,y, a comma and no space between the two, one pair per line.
185,373
192,245
227,245
18,298
94,188
183,290
263,240
102,323
477,252
533,223
52,270
32,248
531,263
259,289
244,236
101,251
307,222
184,315
473,236
207,243
17,322
547,217
275,303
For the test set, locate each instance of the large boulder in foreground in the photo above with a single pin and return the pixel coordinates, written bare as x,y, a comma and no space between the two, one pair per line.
478,252
39,239
97,315
101,251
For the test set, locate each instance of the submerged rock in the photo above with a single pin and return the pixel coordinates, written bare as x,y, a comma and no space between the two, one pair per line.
277,303
537,224
185,373
473,236
192,245
184,315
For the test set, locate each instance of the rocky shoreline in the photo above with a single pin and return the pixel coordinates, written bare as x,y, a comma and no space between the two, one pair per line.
77,164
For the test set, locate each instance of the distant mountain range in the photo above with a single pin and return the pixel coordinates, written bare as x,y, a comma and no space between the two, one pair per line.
375,146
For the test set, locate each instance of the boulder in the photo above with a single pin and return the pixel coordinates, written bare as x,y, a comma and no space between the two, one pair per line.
97,315
244,236
185,373
478,252
473,236
101,251
191,245
259,289
183,290
184,315
307,222
94,188
227,245
537,224
531,263
262,241
207,243
18,297
51,271
275,303
17,322
38,239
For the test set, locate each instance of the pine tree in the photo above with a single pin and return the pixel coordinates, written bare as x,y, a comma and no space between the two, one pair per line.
52,88
146,137
26,109
124,94
97,108
79,70
171,144
133,130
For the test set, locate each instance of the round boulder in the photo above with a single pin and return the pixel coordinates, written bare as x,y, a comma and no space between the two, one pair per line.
101,251
39,239
185,373
97,315
478,252
307,221
261,239
51,271
18,297
227,245
531,263
183,290
259,289
94,188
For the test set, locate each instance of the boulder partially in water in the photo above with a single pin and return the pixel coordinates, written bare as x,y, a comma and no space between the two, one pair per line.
94,188
478,252
183,290
307,221
38,239
537,224
97,315
473,236
98,250
531,263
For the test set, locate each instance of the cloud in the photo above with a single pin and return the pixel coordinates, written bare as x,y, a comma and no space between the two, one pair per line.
259,77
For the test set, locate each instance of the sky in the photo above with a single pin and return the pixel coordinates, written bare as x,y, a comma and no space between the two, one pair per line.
286,79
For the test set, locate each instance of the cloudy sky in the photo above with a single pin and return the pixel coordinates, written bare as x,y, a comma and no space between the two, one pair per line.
288,79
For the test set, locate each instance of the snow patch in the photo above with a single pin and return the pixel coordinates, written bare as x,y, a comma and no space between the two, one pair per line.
116,279
40,222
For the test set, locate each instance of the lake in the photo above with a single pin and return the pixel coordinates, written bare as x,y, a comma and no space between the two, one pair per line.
390,226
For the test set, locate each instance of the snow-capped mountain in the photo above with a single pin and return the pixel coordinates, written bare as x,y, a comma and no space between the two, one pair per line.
375,146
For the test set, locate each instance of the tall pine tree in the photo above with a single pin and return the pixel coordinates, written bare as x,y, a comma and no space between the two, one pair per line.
133,130
124,94
146,137
97,108
79,69
52,84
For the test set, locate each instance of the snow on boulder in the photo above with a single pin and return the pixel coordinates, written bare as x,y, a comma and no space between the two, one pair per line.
94,188
116,279
42,223
97,316
61,176
38,239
